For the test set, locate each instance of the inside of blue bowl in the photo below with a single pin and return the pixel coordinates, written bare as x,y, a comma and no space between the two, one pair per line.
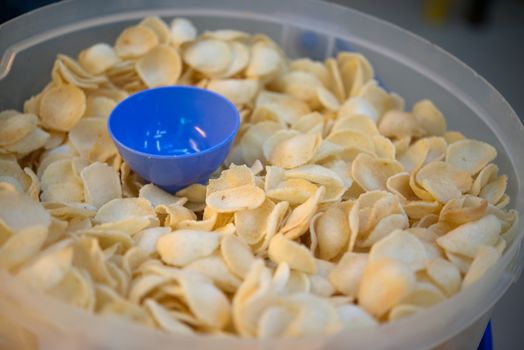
174,121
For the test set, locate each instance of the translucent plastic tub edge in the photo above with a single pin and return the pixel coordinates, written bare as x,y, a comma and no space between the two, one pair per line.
454,78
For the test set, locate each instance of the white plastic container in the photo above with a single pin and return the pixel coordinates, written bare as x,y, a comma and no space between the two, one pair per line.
405,63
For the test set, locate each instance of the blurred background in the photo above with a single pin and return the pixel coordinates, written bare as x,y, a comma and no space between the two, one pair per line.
488,35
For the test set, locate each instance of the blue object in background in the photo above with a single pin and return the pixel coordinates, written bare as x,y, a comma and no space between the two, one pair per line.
487,339
174,136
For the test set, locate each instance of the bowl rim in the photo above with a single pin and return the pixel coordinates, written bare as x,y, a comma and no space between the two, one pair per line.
228,139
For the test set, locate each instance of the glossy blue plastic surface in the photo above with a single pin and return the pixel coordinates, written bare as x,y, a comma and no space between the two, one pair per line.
174,136
487,339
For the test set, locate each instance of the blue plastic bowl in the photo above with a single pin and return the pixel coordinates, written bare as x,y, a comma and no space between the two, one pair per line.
174,136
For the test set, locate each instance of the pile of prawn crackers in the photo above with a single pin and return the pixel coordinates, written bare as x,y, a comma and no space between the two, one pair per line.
338,208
